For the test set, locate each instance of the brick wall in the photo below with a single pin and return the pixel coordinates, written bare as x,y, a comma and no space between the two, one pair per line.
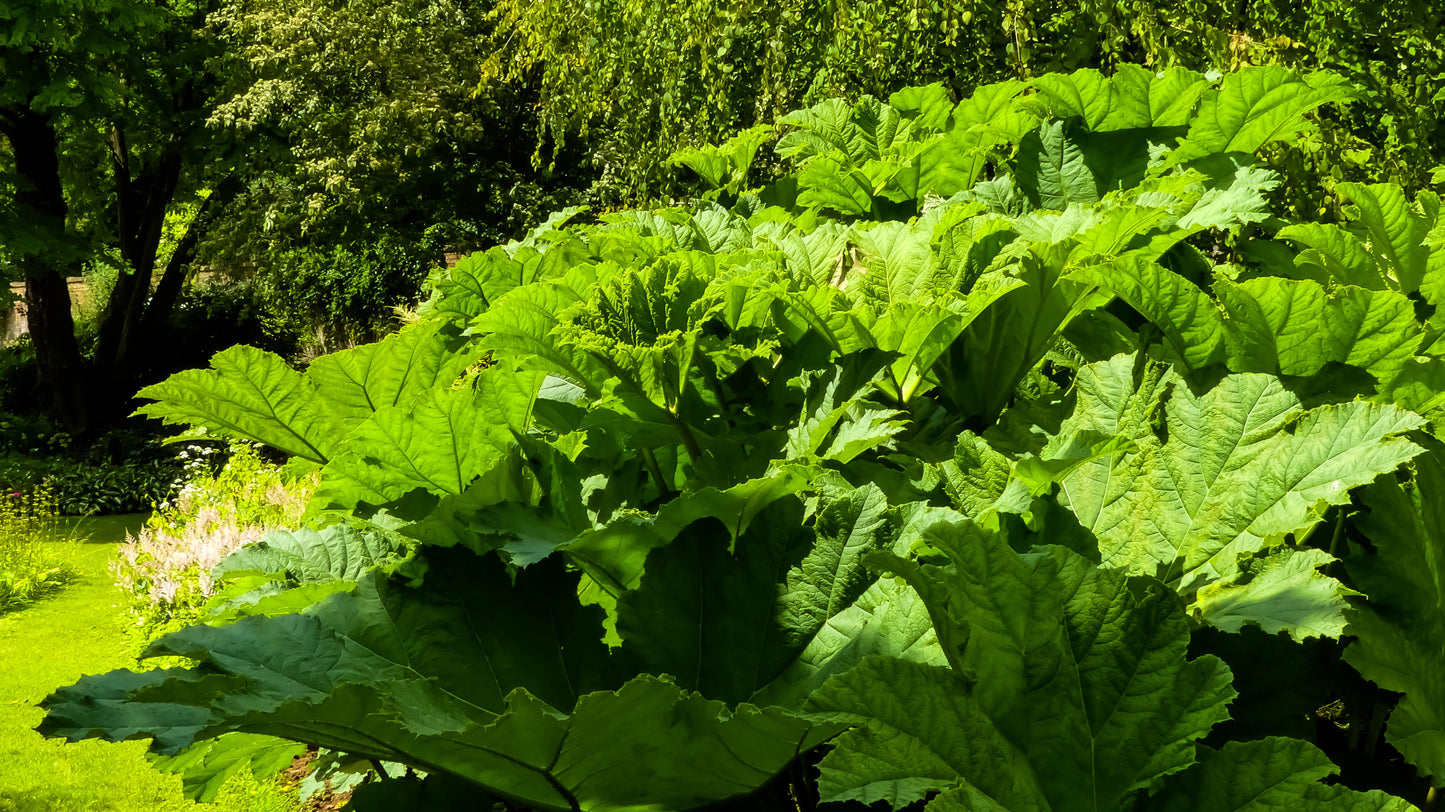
12,321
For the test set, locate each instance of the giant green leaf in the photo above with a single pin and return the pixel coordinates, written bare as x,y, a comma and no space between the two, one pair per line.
1241,199
477,281
1238,467
826,183
725,166
614,555
929,106
1052,170
439,443
897,262
1282,590
336,552
501,683
920,334
1133,98
1336,253
887,620
987,119
1003,342
1296,327
1069,687
250,394
831,575
1255,107
1188,318
817,254
355,383
469,618
1257,776
1401,628
719,635
1394,232
824,128
522,330
206,766
839,421
763,601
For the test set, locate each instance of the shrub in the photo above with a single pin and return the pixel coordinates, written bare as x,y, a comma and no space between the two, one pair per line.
166,569
82,489
31,566
340,296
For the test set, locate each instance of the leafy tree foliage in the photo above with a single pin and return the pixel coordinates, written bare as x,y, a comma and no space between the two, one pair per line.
651,78
389,131
103,106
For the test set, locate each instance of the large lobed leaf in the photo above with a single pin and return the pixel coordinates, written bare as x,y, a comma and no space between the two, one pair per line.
394,372
506,685
1236,469
1273,773
251,394
337,552
1069,687
1400,631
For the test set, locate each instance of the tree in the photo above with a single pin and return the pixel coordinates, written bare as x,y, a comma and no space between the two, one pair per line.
284,124
104,105
646,79
389,125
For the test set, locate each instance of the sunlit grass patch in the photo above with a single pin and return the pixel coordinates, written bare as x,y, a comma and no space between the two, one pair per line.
50,644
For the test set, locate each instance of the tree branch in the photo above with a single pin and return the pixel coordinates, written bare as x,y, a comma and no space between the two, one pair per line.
174,276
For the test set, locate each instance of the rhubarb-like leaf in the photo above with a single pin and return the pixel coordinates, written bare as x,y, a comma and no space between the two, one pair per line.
1400,629
1234,468
1069,687
250,394
337,552
502,683
1254,107
356,383
206,766
1282,590
1257,776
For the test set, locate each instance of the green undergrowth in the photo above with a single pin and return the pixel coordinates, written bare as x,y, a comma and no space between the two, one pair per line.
29,571
79,631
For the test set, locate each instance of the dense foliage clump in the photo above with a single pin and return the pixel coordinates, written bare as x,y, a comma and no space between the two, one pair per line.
640,80
166,568
980,462
32,563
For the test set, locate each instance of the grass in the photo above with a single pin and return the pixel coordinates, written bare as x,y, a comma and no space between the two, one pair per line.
82,630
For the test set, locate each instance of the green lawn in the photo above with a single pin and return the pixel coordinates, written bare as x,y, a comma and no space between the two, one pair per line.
81,630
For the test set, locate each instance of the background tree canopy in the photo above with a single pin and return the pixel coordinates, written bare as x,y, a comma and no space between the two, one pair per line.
645,78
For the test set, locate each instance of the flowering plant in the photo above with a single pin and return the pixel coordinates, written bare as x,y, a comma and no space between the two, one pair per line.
166,568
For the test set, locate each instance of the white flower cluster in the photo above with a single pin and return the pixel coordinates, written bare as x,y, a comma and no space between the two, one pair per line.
197,461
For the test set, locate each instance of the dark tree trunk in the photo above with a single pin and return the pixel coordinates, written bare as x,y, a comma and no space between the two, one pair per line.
168,289
141,204
46,262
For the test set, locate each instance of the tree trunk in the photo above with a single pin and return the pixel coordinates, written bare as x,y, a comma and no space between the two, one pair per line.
168,289
141,204
46,262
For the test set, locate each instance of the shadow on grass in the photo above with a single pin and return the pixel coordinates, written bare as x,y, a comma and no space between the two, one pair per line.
99,529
